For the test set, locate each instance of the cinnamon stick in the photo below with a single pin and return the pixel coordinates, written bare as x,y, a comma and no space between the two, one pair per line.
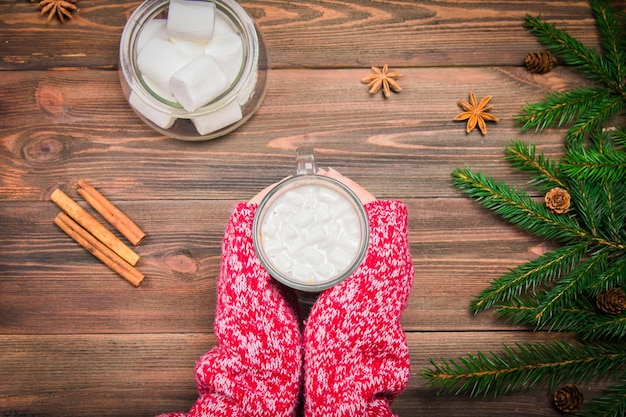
98,249
111,213
86,220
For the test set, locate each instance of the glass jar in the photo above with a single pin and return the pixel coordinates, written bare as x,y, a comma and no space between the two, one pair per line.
220,116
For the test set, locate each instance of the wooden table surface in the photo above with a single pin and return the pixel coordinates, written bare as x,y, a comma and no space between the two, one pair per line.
77,340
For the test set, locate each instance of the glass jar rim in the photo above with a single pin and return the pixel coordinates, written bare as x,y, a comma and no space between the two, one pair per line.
148,10
302,180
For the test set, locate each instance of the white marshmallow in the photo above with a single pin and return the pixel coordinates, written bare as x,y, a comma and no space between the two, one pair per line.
161,119
189,19
222,24
312,233
302,273
159,60
315,234
191,49
289,232
198,82
160,90
283,261
225,116
152,29
295,248
340,258
272,246
327,195
293,200
227,49
313,256
325,270
304,218
323,212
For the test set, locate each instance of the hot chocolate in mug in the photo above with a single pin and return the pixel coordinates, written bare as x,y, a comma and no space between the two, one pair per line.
310,232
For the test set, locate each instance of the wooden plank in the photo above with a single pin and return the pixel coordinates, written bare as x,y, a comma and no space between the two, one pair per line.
126,375
99,375
59,127
49,284
312,33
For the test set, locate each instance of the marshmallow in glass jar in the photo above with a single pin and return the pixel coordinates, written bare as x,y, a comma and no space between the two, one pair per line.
310,232
192,69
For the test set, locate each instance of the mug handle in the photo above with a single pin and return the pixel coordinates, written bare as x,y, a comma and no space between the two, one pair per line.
305,161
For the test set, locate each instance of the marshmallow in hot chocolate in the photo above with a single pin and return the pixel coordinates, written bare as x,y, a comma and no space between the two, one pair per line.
311,233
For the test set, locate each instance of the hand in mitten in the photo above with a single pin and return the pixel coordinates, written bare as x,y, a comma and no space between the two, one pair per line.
255,370
356,355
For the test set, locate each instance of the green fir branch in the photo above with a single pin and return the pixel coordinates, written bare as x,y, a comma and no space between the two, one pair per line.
527,277
611,404
601,141
612,41
545,171
588,207
591,165
558,290
593,210
526,365
597,113
602,327
519,208
581,317
613,276
523,310
560,109
569,287
615,220
569,49
619,136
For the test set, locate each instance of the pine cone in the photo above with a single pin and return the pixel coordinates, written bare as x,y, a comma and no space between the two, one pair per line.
611,301
568,399
558,200
540,62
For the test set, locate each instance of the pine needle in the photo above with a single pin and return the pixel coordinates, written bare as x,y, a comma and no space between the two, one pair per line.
611,404
560,290
526,365
545,171
596,166
569,49
560,109
569,287
528,277
518,207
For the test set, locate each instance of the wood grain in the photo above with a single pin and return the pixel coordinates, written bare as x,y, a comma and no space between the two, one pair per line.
312,34
122,375
74,125
78,340
50,284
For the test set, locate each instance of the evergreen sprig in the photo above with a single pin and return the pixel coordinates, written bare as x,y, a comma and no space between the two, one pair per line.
596,166
559,290
613,403
586,107
526,365
545,171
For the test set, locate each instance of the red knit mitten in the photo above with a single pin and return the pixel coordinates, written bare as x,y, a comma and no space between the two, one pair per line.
355,352
255,370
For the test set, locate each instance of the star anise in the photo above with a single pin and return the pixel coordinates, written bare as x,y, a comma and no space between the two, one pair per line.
383,78
476,113
62,8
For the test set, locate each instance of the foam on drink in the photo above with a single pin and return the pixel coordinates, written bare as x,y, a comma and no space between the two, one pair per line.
311,233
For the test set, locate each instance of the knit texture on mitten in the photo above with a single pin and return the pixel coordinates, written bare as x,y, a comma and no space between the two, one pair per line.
356,355
255,370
